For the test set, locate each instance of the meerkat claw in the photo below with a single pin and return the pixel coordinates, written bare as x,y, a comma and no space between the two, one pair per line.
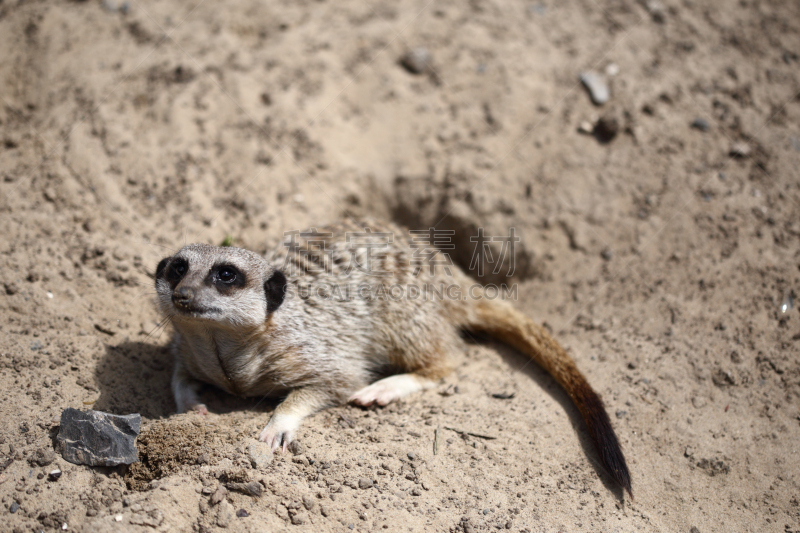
278,433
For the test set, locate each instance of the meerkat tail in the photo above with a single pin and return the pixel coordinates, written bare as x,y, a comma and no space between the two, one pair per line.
506,324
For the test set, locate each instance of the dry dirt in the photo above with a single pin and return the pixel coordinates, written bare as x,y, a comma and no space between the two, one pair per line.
661,258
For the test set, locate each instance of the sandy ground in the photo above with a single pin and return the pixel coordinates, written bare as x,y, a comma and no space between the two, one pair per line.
661,259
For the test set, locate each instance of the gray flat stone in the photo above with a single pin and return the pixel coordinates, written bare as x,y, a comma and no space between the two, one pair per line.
596,85
98,439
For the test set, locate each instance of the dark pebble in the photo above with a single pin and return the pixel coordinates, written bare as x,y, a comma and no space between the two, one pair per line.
14,508
606,129
364,483
412,455
54,475
700,124
241,513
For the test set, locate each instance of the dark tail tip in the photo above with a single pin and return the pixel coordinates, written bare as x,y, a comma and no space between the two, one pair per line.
605,440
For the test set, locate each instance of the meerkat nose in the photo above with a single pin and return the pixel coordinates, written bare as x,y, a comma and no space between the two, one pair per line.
182,296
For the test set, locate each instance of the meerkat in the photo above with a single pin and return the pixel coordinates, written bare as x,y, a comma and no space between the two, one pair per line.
314,323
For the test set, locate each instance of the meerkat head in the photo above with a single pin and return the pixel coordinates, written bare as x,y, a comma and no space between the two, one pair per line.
228,286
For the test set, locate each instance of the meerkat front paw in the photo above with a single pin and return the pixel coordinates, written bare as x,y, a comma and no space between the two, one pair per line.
279,431
185,407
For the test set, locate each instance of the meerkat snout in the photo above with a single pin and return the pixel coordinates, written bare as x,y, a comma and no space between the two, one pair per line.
183,296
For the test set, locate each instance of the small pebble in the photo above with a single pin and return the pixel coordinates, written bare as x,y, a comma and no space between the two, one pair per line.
698,402
787,304
43,457
308,502
296,447
364,483
740,150
596,85
218,495
612,69
412,455
225,514
585,127
14,508
417,61
241,513
700,124
299,519
251,489
260,455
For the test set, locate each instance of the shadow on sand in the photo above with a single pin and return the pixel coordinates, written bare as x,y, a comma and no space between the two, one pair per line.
134,377
520,363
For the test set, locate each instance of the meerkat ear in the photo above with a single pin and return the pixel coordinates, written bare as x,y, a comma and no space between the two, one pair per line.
275,290
160,268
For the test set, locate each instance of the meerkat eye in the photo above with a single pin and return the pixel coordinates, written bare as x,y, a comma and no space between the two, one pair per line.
227,275
177,270
227,278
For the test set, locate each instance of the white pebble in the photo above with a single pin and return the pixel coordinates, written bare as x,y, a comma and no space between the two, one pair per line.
596,85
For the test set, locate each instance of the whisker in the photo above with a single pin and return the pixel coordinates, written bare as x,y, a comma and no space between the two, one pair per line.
161,325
